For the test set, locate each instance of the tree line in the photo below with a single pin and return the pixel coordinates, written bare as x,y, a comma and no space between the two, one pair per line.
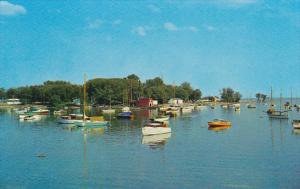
102,91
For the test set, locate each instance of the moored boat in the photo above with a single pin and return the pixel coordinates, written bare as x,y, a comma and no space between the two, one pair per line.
154,128
296,124
219,123
161,118
70,119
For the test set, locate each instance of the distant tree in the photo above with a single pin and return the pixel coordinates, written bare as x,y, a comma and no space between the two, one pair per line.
261,97
2,93
229,95
196,95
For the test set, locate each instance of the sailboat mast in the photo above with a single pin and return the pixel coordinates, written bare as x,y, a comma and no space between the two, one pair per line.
280,100
291,98
84,96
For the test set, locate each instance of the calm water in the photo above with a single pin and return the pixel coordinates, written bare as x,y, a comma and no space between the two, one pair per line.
254,153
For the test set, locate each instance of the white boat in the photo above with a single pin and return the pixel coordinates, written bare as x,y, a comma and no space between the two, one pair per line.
59,112
32,117
224,106
186,110
41,111
126,109
296,124
278,114
201,107
161,119
155,128
70,118
109,111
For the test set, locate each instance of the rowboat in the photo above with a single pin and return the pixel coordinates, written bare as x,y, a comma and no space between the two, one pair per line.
154,128
219,123
296,124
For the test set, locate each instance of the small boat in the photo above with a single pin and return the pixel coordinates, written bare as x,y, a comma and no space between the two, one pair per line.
219,123
108,111
70,119
200,107
212,107
186,110
161,118
154,128
251,106
278,114
224,106
221,128
126,115
237,109
58,112
296,124
32,117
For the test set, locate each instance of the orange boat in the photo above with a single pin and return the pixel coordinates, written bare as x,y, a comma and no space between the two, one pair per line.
219,123
221,128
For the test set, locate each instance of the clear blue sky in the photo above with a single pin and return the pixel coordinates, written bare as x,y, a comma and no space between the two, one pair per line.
248,45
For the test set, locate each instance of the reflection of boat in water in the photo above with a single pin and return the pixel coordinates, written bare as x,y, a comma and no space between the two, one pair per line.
219,123
156,139
220,128
296,131
154,128
90,123
296,124
95,131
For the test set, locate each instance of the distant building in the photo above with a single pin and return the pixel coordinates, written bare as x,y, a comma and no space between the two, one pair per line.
13,101
175,101
210,99
146,102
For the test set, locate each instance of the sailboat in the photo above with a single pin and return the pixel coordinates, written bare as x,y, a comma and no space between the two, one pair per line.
91,122
279,114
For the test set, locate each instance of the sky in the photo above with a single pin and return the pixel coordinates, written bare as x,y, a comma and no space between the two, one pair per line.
248,45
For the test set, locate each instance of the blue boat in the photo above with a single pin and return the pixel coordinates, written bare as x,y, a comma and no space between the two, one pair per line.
127,115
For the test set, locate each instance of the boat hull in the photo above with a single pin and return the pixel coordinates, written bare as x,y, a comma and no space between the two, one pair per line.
219,124
155,130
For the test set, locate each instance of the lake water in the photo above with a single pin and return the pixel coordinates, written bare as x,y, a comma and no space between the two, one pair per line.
255,152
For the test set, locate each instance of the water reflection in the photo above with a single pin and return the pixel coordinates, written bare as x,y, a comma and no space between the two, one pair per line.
156,141
296,132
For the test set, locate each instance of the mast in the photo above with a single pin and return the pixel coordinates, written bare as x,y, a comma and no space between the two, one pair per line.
84,96
280,100
291,105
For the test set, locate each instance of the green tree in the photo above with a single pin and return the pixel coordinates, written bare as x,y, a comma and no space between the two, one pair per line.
229,95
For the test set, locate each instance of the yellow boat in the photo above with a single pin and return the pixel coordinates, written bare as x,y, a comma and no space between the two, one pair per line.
219,123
